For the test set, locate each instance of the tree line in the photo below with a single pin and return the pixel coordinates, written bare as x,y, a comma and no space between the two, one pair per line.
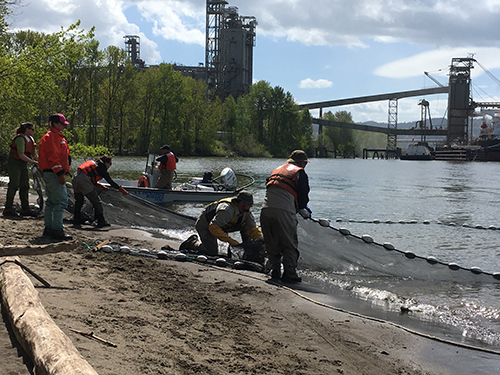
114,107
110,103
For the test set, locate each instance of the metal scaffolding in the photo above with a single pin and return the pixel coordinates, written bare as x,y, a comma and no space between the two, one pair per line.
133,49
230,39
392,123
459,100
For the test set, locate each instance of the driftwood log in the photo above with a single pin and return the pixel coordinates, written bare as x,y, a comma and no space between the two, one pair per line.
13,250
51,351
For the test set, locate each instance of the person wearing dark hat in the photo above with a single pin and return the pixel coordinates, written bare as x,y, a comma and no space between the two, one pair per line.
220,218
54,160
287,192
22,152
168,162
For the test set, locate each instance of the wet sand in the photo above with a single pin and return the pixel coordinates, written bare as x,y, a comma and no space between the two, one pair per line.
170,317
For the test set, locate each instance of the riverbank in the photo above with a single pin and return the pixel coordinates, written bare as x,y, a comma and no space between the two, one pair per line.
168,317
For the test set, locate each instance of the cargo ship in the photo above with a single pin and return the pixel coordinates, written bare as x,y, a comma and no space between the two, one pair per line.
489,137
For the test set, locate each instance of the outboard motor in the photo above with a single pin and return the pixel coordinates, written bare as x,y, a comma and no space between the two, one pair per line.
228,179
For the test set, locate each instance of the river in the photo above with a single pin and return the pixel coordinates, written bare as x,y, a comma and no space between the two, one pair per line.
448,210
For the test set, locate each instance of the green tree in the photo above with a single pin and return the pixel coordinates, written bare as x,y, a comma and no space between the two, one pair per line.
203,118
341,139
148,91
258,103
169,111
113,94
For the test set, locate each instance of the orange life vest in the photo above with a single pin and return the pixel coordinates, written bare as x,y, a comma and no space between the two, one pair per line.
170,165
143,181
285,177
89,168
29,146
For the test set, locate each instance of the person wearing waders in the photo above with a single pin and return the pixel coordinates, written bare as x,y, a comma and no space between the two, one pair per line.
219,219
85,184
287,193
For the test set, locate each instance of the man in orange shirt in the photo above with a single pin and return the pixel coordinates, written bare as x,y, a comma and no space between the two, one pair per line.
54,160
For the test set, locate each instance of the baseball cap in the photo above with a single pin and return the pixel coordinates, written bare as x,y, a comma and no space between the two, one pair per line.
58,118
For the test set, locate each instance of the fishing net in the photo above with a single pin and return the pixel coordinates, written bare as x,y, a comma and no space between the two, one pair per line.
119,209
325,248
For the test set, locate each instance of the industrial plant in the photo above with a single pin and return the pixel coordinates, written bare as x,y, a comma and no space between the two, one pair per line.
230,39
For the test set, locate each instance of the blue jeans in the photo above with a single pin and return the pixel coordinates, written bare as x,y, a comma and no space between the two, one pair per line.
57,200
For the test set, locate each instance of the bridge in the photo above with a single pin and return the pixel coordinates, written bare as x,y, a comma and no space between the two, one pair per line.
460,107
379,129
374,98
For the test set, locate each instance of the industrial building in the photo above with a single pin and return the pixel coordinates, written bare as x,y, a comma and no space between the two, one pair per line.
230,39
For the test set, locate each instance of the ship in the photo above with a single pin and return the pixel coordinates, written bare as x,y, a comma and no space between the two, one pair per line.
418,151
489,136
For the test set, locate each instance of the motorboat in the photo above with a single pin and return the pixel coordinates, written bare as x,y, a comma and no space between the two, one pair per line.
204,189
418,151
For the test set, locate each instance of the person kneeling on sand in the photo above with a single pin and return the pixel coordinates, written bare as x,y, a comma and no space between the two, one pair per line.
85,184
220,218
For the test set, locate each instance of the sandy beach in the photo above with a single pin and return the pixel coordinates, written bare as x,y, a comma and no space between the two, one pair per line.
171,317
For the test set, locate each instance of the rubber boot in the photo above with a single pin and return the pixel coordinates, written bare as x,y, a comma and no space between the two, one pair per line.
101,223
190,244
77,219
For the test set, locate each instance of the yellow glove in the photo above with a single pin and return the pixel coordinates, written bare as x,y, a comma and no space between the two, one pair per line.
254,233
221,235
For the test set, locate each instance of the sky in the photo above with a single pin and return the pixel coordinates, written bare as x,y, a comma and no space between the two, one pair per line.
318,50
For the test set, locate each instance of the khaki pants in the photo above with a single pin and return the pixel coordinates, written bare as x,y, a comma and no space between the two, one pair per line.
279,228
83,186
165,180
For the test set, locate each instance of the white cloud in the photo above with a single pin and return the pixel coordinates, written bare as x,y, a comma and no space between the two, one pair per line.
107,16
175,20
438,23
438,61
308,83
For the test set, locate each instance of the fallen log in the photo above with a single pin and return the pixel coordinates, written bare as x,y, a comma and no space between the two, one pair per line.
13,250
51,351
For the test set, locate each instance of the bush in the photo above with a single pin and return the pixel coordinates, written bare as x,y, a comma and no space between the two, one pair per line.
81,150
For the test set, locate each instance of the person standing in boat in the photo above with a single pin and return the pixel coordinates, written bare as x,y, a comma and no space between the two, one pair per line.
85,184
220,218
287,192
168,162
22,152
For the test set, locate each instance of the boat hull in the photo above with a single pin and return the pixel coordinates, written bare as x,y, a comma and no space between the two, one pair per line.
491,149
165,197
416,157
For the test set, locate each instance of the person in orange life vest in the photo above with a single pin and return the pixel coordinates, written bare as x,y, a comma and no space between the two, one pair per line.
167,167
54,161
220,218
22,152
85,184
287,192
